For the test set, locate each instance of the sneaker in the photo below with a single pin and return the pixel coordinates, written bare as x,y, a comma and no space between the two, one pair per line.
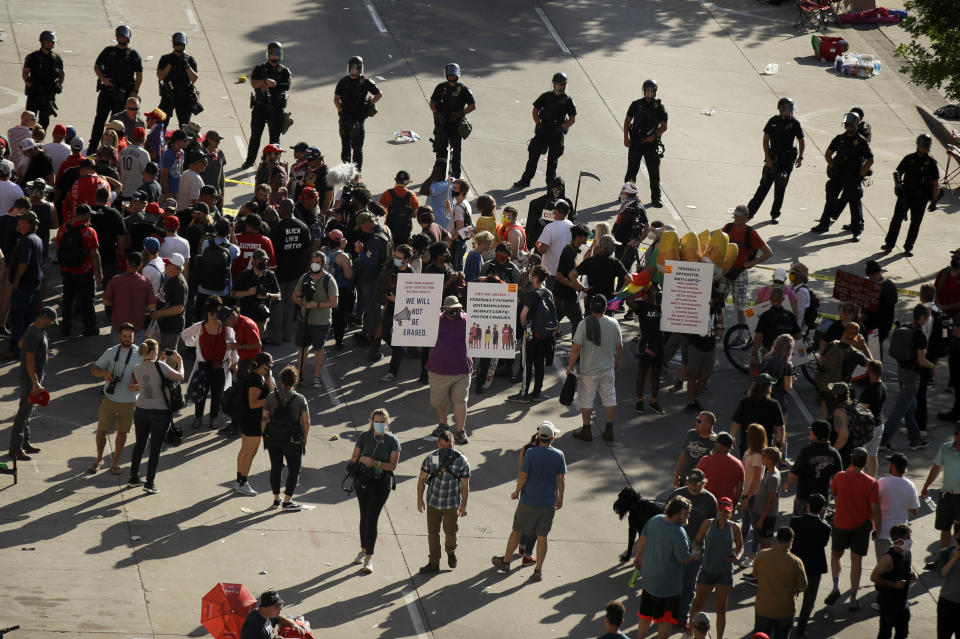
907,253
655,407
535,396
317,383
528,560
33,450
134,480
389,377
746,561
245,489
460,438
521,183
638,407
774,220
451,560
439,430
886,248
820,228
367,565
678,385
150,489
855,238
359,558
424,378
523,398
607,434
854,605
920,443
197,422
832,598
500,564
930,565
847,227
290,507
276,503
536,576
885,447
583,435
657,204
430,569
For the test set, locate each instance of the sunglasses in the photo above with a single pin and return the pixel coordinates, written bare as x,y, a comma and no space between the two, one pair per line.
133,108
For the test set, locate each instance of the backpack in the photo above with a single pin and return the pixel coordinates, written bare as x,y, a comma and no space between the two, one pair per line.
545,321
940,330
901,346
860,422
171,390
232,400
400,217
70,252
743,245
283,428
214,267
384,235
813,309
338,274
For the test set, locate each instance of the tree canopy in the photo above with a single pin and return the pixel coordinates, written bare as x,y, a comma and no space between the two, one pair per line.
932,57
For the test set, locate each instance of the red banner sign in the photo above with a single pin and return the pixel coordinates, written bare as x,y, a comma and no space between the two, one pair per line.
864,292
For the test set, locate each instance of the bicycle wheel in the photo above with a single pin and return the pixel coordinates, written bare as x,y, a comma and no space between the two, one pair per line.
811,363
737,346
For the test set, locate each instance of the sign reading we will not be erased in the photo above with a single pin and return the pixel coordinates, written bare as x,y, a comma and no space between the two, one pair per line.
416,312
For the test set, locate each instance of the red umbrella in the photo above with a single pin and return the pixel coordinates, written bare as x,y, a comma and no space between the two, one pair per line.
224,608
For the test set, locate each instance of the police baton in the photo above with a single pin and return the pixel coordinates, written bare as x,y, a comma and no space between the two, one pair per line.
583,173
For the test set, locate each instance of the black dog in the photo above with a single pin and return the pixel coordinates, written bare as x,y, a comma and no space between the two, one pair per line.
638,512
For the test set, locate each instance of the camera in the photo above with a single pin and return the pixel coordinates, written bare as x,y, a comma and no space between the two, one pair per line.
112,386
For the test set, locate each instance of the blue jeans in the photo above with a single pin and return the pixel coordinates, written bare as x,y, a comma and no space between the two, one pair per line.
23,306
904,408
689,588
775,628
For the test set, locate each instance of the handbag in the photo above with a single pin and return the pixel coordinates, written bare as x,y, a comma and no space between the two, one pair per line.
464,128
172,392
569,389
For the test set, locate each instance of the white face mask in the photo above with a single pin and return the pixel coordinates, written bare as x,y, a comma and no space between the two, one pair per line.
315,267
905,544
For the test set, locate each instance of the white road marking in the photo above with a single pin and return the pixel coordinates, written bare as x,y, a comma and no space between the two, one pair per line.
192,19
18,101
411,603
240,145
331,389
376,17
552,30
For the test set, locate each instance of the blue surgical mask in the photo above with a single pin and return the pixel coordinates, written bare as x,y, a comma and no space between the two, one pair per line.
379,427
397,263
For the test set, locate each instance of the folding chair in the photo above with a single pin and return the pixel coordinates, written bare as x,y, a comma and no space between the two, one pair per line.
952,177
812,14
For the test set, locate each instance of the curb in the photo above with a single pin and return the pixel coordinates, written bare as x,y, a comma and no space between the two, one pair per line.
940,129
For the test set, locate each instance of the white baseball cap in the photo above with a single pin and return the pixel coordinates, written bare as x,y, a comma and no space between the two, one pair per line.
26,144
546,430
176,259
780,274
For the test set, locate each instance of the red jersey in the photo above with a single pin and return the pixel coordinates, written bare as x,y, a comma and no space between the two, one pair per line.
948,290
72,160
83,191
90,243
247,333
249,243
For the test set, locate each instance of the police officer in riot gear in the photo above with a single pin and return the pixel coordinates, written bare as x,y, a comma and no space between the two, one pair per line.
780,157
43,78
553,113
270,82
119,72
848,161
646,121
450,102
177,72
353,105
916,182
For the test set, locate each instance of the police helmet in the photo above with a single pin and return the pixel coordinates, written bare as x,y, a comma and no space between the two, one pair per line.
785,104
452,69
179,38
402,177
48,36
123,31
560,78
650,84
924,141
858,111
851,119
275,48
355,61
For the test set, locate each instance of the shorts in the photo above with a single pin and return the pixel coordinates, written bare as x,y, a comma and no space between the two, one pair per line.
659,609
449,389
736,289
700,362
723,579
602,384
533,519
646,360
766,529
948,511
311,335
250,424
856,539
873,446
115,413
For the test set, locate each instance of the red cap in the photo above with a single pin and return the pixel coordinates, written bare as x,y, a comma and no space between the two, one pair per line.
273,148
725,503
171,222
139,132
59,130
154,209
308,191
759,635
40,399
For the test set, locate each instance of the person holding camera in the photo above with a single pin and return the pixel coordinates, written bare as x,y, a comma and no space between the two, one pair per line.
177,73
116,367
446,475
374,460
151,416
316,295
285,425
256,289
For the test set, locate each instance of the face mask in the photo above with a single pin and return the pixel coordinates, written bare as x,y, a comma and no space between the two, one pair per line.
625,199
452,314
379,427
501,258
905,544
315,267
556,193
793,278
397,263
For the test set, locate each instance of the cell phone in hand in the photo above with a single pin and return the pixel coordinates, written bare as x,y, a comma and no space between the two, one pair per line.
168,352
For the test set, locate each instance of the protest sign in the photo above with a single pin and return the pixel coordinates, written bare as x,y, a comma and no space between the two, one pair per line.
850,287
416,312
491,320
686,297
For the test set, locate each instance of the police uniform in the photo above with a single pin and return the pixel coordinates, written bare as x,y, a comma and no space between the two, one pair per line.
450,101
781,134
353,94
267,106
120,65
850,152
44,72
553,110
647,116
177,92
918,174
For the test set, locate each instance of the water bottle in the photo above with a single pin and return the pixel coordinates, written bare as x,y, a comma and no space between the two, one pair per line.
932,505
633,578
876,67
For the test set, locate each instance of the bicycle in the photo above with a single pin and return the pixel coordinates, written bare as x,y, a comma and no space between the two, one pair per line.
738,346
